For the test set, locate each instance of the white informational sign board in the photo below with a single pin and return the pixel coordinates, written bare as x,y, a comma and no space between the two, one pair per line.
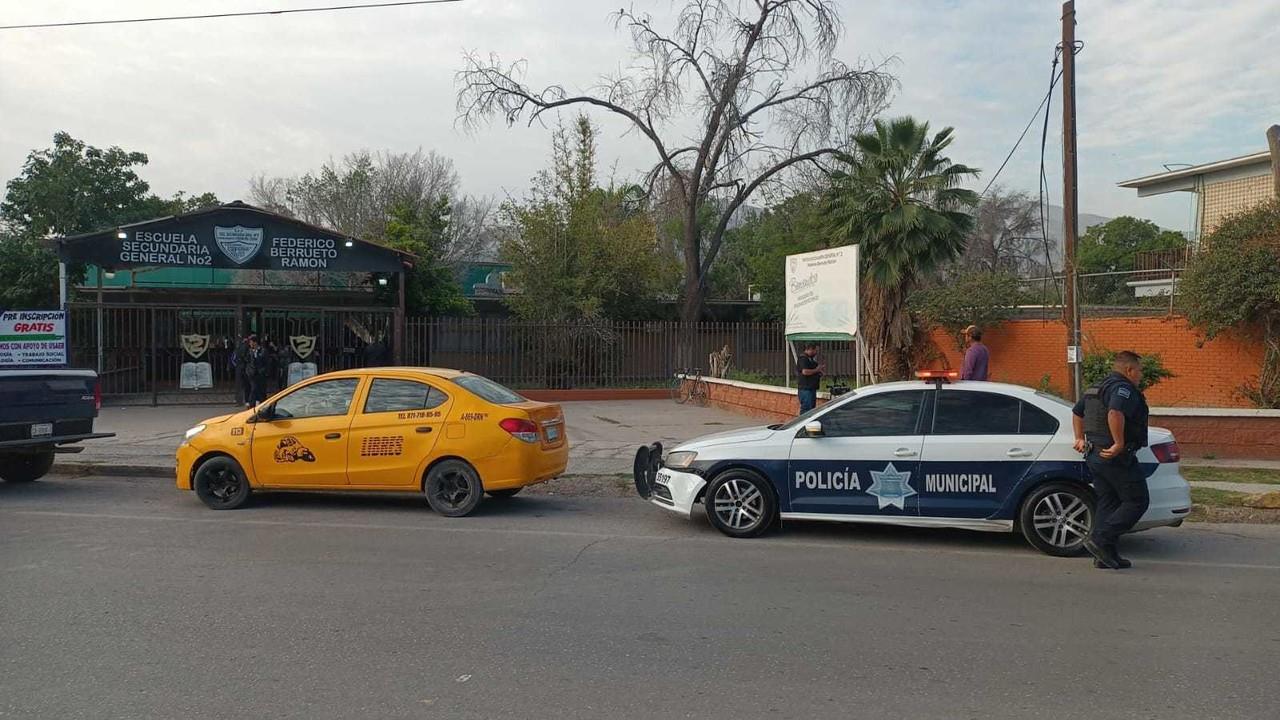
822,294
195,376
299,371
33,337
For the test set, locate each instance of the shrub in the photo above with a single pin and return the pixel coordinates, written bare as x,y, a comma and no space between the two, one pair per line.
1097,365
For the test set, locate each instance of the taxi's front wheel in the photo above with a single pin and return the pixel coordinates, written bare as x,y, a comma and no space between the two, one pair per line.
453,488
220,483
740,504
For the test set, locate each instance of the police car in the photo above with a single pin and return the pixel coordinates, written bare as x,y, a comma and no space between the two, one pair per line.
973,455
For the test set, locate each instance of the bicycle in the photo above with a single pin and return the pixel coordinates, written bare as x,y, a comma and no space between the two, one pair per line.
689,385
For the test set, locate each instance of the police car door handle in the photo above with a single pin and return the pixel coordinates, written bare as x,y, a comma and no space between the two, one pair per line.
1018,453
904,452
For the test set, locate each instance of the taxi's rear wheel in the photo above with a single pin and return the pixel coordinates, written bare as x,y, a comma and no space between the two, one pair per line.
740,504
504,493
220,483
1056,518
453,488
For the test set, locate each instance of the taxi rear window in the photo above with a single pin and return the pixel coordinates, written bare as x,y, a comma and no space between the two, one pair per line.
386,395
486,389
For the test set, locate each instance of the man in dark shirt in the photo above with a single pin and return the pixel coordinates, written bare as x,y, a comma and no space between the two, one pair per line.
808,376
976,357
1110,424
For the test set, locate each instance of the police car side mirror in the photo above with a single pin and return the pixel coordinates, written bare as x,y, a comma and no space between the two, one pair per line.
813,428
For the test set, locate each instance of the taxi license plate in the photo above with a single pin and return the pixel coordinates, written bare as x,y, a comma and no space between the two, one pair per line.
553,433
41,430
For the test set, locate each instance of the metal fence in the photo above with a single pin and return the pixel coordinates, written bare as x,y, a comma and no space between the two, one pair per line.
141,353
609,354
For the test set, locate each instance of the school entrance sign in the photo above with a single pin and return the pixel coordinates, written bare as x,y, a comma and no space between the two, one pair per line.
822,294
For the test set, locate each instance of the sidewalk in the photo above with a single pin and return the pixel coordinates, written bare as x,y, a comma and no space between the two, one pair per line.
603,435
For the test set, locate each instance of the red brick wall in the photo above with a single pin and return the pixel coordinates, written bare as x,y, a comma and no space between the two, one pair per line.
1256,438
1208,373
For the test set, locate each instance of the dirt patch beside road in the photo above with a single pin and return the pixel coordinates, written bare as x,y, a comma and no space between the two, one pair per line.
586,485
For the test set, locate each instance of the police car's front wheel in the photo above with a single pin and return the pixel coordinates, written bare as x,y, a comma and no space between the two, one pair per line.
740,504
1056,518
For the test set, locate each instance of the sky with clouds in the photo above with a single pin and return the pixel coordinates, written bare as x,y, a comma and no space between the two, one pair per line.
215,102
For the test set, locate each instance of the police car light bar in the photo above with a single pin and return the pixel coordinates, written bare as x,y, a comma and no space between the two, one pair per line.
938,375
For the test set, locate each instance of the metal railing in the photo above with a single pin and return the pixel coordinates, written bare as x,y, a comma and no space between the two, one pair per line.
527,354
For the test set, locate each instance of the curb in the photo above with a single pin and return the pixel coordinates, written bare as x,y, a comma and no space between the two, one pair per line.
114,469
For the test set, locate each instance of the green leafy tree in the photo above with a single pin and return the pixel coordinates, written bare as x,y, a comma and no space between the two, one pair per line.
68,189
580,251
1098,365
985,299
756,251
1233,283
1113,246
899,198
431,287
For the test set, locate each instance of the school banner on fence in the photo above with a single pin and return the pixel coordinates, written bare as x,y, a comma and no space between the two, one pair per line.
822,294
33,338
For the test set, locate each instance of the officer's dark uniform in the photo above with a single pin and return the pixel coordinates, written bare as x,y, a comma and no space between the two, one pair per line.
1118,483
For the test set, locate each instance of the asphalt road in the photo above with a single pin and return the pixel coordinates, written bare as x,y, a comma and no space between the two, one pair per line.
127,599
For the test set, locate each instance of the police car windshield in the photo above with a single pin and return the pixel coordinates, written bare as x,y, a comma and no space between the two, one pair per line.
799,420
488,390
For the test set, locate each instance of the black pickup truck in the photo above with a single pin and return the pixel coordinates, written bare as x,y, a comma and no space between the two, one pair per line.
43,412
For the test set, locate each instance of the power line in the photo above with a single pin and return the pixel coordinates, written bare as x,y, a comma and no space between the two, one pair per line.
1043,180
290,11
1030,122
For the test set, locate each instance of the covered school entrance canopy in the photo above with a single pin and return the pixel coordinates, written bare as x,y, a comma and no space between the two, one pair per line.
320,295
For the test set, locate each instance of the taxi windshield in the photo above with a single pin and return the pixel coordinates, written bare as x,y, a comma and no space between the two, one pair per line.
489,390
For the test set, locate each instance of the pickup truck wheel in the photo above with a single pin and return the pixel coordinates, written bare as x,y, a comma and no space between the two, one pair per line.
221,484
25,467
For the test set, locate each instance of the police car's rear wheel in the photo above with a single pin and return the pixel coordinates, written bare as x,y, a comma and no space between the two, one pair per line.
453,488
740,504
1056,518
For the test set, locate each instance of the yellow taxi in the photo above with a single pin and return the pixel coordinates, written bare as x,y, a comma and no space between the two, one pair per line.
451,435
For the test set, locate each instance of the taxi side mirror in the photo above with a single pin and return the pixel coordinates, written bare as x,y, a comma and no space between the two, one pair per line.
266,413
813,428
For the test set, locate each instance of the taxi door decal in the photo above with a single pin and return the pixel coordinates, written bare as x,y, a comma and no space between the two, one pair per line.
290,450
382,446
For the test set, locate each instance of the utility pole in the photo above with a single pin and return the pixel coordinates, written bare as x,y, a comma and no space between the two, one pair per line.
1070,203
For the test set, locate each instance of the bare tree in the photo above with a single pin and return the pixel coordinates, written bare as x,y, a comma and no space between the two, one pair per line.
735,66
1005,235
357,194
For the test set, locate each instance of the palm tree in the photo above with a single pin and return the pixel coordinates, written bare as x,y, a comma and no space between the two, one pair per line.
898,198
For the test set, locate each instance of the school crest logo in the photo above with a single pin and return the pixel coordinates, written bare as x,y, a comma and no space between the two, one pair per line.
891,487
195,345
238,242
303,345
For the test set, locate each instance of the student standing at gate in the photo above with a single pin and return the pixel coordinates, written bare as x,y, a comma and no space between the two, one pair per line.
256,369
240,370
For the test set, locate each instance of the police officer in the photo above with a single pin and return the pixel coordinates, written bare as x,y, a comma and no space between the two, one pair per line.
1110,424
